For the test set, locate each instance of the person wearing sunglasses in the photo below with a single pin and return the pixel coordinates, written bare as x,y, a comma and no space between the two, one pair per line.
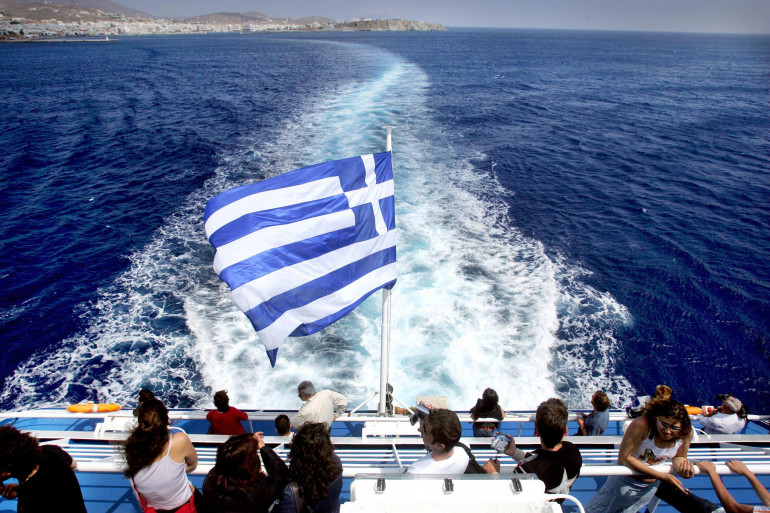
663,433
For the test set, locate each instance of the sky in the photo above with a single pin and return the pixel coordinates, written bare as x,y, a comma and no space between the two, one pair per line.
729,16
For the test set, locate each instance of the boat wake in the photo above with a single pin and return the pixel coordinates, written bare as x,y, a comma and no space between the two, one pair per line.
477,304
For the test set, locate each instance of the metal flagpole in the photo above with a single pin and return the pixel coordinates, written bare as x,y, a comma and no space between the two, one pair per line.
385,344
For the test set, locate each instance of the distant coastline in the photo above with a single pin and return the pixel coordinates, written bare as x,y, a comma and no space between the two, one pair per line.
21,21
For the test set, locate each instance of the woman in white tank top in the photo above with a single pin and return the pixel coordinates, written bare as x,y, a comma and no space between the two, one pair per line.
662,434
158,461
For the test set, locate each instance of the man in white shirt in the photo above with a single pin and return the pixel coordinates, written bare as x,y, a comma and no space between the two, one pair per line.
724,420
318,407
441,432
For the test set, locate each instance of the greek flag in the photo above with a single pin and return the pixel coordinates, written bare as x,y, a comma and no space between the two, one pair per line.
303,249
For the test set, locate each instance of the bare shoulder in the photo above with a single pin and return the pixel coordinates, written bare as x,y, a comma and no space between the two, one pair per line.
638,429
180,446
180,438
641,423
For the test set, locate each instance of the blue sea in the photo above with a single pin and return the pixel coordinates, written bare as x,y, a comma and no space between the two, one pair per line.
576,211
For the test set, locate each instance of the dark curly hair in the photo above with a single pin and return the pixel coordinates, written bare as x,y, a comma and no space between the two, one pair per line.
444,426
20,453
148,438
237,466
668,408
313,465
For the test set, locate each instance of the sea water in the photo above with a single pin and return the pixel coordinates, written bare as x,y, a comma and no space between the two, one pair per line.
576,211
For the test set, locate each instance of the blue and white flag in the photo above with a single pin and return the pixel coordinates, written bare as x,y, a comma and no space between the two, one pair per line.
303,249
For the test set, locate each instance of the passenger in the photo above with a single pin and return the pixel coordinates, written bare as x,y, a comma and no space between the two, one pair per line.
45,474
441,431
158,462
283,425
725,419
315,472
729,504
143,395
225,420
318,407
663,433
237,483
557,463
682,501
487,407
595,423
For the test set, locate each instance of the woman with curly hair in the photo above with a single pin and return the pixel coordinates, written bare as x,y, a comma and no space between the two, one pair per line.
45,474
237,483
487,407
158,462
662,434
315,472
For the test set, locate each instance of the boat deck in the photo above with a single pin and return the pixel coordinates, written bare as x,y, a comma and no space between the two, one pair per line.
367,444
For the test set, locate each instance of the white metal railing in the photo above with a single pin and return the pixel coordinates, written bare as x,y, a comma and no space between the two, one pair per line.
262,415
586,443
358,455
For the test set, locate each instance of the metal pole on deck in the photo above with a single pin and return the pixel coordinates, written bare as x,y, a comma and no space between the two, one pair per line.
385,344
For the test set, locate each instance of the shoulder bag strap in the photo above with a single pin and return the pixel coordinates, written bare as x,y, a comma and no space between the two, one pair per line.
299,502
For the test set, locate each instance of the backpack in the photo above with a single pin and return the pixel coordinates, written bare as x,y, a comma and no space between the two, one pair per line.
473,465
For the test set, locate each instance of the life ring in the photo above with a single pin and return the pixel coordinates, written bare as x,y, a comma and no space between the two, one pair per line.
693,410
93,407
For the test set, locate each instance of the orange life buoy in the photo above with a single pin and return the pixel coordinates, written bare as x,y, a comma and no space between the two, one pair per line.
93,407
693,410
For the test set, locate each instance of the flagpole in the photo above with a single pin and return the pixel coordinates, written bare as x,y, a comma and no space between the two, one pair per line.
385,344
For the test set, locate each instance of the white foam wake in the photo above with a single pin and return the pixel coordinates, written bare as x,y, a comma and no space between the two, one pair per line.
476,304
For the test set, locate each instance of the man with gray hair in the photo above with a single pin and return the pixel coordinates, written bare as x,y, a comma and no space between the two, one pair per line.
725,419
319,406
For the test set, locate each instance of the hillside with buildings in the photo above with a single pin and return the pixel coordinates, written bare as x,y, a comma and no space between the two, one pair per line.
25,20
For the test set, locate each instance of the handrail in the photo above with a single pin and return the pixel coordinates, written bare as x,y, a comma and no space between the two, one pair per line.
102,454
261,414
557,496
525,441
112,466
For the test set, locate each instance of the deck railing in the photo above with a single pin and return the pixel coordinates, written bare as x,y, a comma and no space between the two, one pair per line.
386,444
390,456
